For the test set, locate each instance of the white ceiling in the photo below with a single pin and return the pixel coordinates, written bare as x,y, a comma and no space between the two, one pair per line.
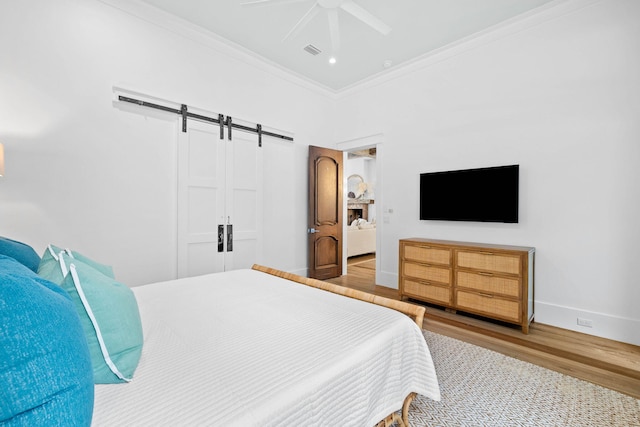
418,27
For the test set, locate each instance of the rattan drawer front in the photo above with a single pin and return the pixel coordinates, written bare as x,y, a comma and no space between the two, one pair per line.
486,282
490,280
488,304
429,255
441,294
428,272
502,263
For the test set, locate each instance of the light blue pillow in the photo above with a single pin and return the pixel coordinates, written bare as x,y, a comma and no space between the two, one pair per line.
21,252
45,369
107,270
49,267
110,320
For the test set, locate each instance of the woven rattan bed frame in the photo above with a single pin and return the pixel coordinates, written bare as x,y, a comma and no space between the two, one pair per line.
414,311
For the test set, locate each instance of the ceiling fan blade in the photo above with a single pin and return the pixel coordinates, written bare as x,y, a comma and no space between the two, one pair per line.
269,2
311,13
334,30
362,14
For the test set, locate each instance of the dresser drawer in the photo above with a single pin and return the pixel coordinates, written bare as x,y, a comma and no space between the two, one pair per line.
434,293
489,283
488,261
489,280
427,272
494,306
427,254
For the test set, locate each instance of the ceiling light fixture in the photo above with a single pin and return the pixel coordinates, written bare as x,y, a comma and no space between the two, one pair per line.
332,60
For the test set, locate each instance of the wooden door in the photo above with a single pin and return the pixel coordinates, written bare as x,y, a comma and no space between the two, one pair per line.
219,201
325,213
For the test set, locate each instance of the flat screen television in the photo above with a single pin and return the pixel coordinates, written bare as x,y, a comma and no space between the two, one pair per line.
483,195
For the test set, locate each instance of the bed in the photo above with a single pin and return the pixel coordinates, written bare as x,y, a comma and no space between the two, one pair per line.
267,348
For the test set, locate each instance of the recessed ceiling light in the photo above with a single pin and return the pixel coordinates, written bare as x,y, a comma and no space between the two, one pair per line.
387,63
332,60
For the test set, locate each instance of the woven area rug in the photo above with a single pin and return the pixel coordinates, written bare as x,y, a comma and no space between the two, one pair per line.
481,387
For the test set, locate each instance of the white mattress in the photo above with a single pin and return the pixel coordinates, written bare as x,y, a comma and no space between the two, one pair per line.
249,349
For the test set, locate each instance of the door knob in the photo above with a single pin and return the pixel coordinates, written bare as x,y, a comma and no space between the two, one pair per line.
312,230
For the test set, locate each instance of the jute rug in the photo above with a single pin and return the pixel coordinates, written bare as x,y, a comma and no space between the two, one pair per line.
480,387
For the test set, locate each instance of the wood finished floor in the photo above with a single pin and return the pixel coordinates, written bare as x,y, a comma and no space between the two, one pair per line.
611,364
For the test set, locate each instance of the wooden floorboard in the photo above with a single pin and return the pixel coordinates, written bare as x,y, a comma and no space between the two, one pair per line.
608,363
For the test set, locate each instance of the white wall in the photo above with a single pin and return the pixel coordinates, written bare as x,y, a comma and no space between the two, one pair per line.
86,175
558,94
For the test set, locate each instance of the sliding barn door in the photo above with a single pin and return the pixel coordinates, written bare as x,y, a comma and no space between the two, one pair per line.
219,201
244,204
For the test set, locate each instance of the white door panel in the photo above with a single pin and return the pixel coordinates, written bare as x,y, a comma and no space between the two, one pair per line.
201,192
219,184
244,200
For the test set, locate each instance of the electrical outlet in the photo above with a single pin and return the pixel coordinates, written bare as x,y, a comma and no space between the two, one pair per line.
585,322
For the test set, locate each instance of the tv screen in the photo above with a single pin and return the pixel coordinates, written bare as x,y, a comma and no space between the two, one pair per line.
484,194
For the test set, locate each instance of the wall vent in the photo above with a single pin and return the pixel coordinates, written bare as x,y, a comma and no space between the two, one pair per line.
312,49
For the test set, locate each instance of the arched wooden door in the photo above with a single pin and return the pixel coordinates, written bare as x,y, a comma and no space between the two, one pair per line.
325,213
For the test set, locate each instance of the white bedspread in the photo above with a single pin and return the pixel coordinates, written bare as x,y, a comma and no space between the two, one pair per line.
249,349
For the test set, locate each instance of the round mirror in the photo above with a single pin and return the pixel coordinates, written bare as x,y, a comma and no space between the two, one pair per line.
354,189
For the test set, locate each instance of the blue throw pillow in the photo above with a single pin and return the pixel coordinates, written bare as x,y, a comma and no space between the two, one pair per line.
45,368
9,265
21,252
110,319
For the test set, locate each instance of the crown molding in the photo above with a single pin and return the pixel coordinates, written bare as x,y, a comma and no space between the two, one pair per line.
517,24
522,22
211,40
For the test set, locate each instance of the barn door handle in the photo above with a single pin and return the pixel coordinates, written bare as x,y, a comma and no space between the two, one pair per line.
229,237
220,238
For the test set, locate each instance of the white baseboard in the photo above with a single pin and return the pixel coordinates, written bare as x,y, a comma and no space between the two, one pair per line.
387,279
603,325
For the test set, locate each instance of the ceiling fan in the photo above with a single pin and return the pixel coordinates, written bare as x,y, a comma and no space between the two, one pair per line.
332,7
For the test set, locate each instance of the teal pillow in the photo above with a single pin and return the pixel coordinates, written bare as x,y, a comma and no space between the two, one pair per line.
46,376
107,270
49,267
110,319
21,252
52,250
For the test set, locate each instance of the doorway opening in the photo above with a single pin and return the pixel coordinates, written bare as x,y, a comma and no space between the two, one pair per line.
360,168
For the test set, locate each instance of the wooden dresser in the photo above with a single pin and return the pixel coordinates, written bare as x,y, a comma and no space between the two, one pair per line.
494,281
